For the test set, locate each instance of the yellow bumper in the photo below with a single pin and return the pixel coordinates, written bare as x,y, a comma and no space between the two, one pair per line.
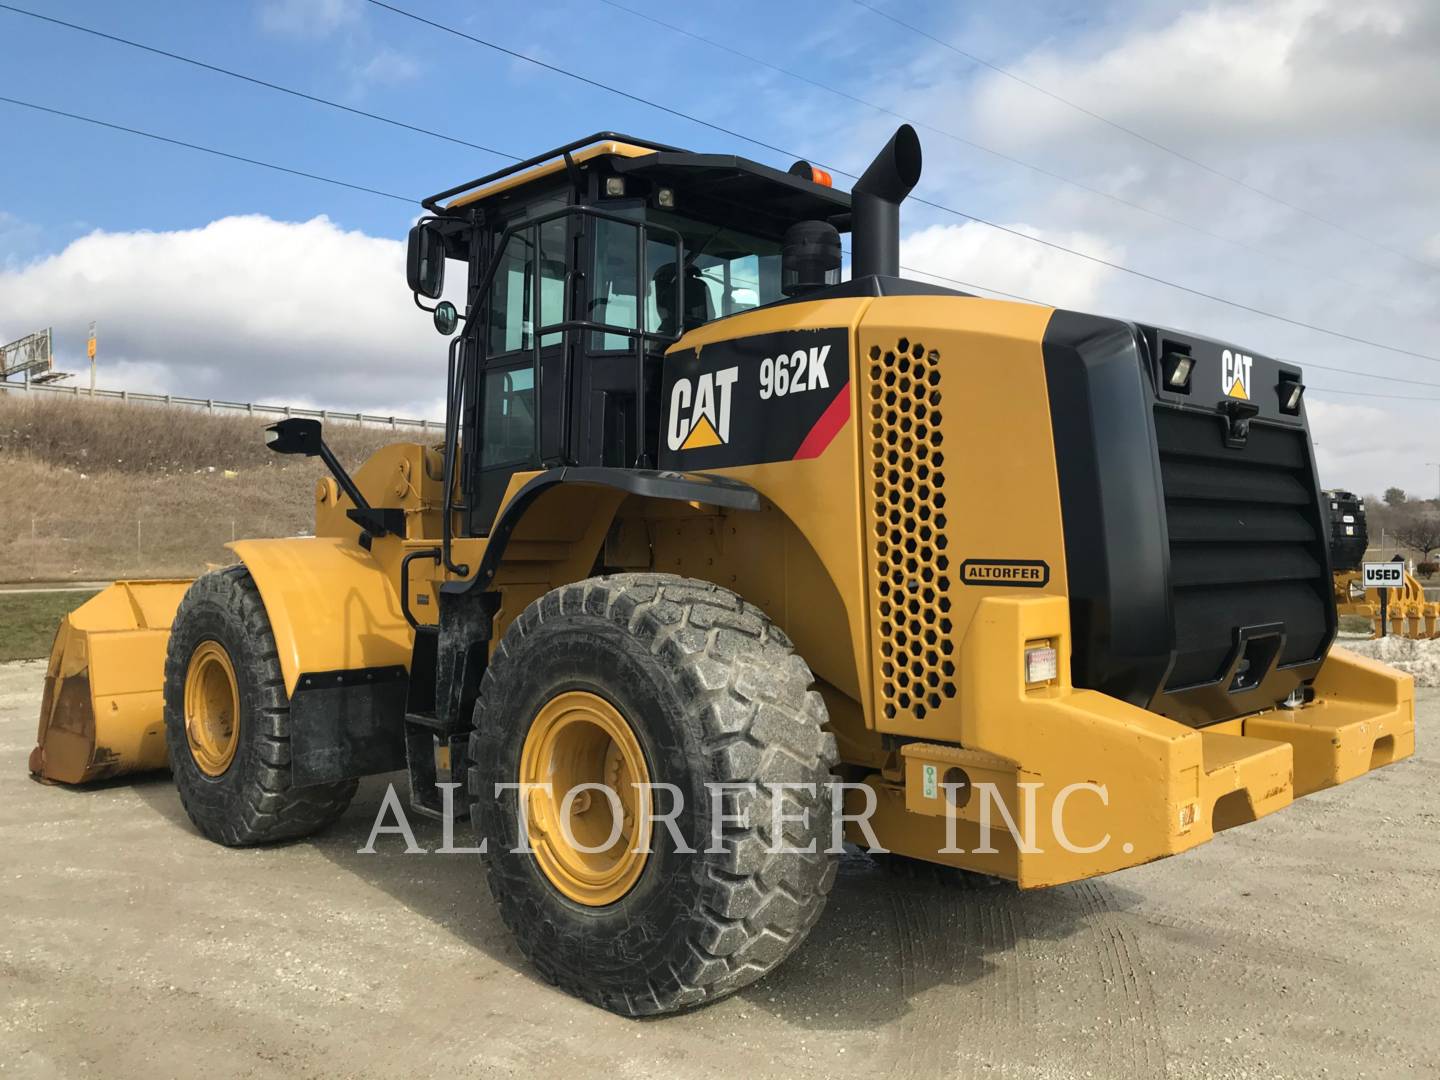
1363,717
1073,783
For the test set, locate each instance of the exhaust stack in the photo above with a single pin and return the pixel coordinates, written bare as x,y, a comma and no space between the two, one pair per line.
875,205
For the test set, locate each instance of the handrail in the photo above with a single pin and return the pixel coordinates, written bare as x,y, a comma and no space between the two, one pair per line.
432,203
423,553
215,404
454,384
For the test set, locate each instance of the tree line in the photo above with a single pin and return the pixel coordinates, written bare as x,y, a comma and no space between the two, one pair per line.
1406,522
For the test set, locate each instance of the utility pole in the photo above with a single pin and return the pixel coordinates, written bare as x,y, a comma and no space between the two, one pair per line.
1437,476
90,348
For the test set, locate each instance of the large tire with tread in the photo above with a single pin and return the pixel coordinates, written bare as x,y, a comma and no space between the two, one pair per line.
253,800
713,692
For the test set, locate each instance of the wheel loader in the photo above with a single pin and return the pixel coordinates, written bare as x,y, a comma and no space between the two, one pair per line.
1040,594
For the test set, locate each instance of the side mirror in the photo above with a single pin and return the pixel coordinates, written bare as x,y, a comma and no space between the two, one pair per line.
425,261
296,435
446,317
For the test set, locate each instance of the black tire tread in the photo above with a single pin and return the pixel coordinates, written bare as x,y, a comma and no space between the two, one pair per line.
751,694
259,805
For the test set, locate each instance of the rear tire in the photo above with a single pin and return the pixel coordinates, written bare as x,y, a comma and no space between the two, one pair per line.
711,691
234,778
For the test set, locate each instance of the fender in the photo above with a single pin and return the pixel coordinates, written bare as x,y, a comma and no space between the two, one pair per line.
468,606
332,606
682,487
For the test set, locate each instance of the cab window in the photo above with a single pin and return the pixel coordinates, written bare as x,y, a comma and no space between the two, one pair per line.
508,429
725,271
539,249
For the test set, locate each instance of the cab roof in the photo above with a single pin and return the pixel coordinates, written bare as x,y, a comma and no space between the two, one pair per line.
781,197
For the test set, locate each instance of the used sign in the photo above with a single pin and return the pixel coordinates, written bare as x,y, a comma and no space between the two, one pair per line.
1384,575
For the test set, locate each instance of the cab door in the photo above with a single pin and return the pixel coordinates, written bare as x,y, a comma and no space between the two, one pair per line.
513,412
630,301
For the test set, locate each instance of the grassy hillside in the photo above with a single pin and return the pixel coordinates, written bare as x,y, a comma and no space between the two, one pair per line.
28,621
100,490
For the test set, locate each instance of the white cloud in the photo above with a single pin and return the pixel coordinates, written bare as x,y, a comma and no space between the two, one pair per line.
245,308
996,260
1360,446
1285,67
1328,104
388,66
307,18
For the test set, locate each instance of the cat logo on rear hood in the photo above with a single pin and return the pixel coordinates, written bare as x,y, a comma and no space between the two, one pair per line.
1235,374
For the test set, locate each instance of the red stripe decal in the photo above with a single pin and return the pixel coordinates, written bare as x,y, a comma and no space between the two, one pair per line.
827,427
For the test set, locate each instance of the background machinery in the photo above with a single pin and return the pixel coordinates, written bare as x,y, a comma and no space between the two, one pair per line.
1407,610
697,521
1349,536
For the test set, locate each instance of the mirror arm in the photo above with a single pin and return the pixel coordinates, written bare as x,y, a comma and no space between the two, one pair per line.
374,522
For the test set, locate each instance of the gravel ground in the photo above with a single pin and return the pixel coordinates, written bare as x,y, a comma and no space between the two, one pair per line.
1302,945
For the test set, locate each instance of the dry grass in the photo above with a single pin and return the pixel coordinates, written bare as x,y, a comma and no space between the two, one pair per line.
99,490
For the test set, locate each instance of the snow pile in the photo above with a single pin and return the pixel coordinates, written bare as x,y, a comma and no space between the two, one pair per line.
1418,658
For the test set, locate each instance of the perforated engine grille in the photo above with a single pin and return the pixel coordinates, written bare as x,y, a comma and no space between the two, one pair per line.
907,521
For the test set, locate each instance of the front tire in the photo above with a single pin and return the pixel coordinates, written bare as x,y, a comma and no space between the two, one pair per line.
227,720
709,691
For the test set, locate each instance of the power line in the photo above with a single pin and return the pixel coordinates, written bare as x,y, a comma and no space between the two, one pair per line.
255,81
1369,375
1143,137
973,285
206,149
449,138
586,80
1054,245
1156,279
375,116
390,195
962,140
1362,393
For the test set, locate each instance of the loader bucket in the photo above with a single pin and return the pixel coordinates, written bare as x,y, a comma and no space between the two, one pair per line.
103,713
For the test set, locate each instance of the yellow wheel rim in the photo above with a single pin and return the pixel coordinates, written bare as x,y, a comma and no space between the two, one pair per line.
212,708
586,852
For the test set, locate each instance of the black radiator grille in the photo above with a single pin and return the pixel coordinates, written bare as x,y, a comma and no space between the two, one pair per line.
1246,543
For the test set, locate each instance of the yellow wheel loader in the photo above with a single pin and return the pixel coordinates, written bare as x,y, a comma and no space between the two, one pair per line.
713,536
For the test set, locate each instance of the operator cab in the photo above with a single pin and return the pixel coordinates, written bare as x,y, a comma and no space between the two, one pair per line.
585,264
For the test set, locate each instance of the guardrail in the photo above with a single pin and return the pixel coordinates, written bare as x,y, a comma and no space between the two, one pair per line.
216,405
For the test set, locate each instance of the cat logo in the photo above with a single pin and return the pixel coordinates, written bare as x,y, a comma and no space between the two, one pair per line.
700,414
1235,374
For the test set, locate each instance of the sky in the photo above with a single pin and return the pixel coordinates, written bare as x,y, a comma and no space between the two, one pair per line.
1296,173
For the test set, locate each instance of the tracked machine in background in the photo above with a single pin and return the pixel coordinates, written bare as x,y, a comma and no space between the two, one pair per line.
1407,610
1349,532
705,513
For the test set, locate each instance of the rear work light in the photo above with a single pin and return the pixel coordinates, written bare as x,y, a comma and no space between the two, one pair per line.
1178,367
1042,664
1291,391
